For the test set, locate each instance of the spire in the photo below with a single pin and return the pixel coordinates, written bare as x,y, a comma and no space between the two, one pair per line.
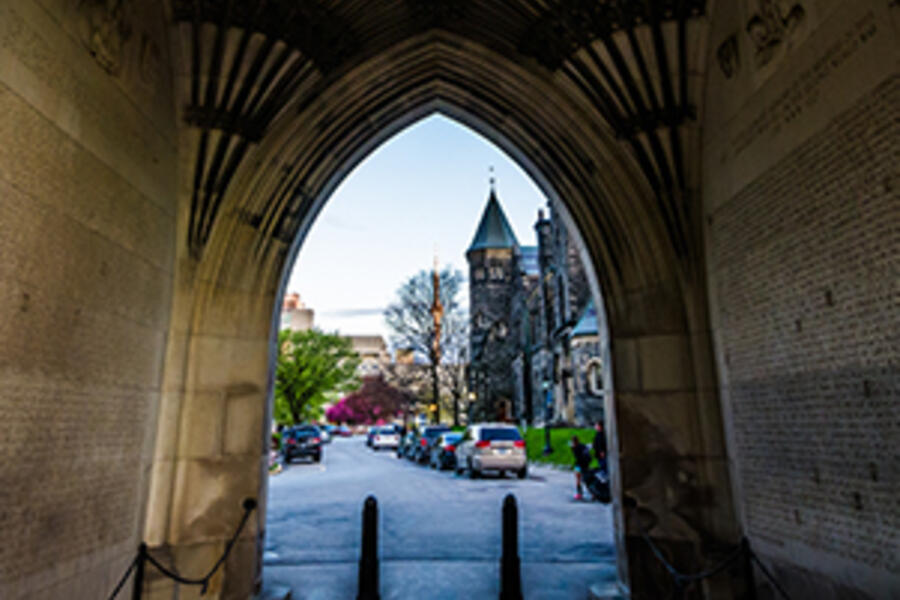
493,230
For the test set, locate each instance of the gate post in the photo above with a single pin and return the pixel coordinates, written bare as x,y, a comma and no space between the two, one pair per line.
510,575
368,560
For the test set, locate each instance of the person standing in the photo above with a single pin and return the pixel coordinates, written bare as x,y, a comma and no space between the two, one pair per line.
582,463
600,446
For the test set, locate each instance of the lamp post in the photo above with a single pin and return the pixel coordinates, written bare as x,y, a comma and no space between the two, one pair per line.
548,404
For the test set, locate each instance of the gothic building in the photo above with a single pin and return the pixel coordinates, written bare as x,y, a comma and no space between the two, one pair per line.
536,340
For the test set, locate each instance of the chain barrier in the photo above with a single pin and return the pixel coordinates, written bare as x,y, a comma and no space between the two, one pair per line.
143,556
681,581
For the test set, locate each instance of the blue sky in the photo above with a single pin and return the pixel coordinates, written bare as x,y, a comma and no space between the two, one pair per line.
425,187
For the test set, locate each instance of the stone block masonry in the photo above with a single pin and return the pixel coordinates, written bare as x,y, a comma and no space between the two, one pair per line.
807,271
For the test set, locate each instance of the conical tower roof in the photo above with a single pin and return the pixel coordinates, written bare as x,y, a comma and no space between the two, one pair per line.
493,230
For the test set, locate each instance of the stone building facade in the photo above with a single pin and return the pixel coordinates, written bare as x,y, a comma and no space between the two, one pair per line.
525,303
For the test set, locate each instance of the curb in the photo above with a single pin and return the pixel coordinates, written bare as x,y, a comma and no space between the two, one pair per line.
274,592
605,591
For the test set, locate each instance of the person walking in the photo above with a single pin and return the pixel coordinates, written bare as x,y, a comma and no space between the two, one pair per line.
582,463
600,446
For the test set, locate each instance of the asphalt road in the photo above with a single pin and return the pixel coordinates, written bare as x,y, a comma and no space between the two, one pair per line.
439,534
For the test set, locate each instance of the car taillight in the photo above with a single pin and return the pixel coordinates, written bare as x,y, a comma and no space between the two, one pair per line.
316,440
423,442
451,448
483,444
519,443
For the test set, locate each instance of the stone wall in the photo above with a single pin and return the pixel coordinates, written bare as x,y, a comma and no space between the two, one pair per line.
86,240
803,218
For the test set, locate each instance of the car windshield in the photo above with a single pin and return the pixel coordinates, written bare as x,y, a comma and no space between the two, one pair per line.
433,432
491,434
387,431
305,432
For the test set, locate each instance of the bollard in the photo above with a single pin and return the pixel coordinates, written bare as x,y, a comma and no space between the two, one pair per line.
368,560
510,574
139,572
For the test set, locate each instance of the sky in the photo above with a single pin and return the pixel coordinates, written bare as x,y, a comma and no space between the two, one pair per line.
423,189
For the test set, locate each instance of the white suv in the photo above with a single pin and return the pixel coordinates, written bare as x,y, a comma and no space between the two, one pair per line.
491,447
385,437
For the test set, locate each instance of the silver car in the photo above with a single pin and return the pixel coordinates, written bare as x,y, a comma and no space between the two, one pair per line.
491,447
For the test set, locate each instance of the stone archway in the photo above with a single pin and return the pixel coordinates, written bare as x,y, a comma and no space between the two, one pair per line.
729,167
658,333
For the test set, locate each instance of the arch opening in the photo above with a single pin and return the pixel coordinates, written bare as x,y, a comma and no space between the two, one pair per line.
656,320
545,539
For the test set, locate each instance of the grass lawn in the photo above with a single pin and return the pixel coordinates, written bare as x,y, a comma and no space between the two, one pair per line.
559,442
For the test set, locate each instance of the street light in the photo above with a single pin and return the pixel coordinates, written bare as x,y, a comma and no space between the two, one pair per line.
548,404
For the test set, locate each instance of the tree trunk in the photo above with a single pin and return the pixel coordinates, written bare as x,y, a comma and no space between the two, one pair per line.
435,392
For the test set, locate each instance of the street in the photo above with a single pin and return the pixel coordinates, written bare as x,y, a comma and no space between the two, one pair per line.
439,533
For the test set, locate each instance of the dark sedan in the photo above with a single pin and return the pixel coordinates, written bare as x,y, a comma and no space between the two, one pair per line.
406,445
443,451
301,441
425,440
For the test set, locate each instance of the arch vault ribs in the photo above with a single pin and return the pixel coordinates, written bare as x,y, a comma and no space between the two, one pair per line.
239,83
629,58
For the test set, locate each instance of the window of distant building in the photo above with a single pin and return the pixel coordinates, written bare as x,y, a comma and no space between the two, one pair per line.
594,376
478,274
496,273
560,301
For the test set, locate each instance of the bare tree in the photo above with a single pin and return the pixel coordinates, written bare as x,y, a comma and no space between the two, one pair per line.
412,321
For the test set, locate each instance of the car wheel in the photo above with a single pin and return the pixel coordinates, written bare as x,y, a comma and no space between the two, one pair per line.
318,457
473,474
522,473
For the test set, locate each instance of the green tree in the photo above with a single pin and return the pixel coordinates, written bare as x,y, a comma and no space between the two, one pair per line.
313,367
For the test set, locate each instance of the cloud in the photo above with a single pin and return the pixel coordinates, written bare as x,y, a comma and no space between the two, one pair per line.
341,223
354,312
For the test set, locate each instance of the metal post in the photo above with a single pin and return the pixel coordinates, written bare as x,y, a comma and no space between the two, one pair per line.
141,559
510,572
368,561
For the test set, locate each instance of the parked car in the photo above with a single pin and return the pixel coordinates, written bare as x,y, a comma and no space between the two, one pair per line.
491,447
406,445
370,433
443,451
344,431
301,441
385,437
426,438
